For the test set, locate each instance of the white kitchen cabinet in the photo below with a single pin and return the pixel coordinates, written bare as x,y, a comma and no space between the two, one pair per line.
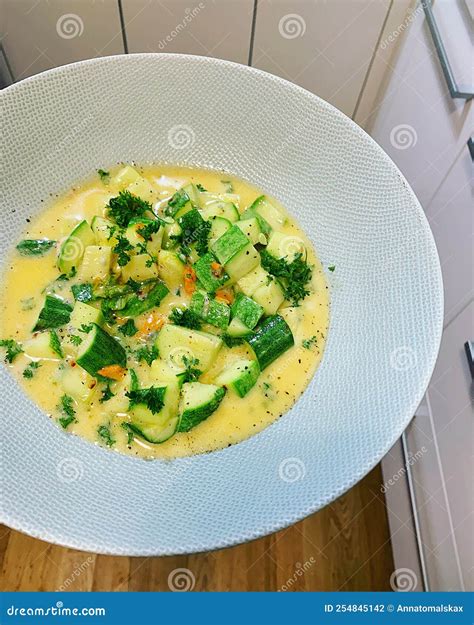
39,35
218,29
325,47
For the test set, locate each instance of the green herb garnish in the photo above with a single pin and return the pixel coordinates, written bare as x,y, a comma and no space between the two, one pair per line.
13,349
125,207
104,433
152,398
128,328
55,344
148,354
192,373
121,248
75,339
296,274
186,318
308,343
104,175
30,369
106,394
35,247
66,406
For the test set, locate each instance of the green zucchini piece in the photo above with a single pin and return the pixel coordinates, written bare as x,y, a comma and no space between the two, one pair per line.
77,383
192,192
103,229
171,232
99,350
240,376
170,269
221,208
238,329
266,211
43,345
251,228
84,314
206,276
157,427
243,262
229,245
136,305
95,264
178,203
210,310
219,226
140,268
177,344
198,401
281,245
73,247
54,314
246,310
270,296
249,283
271,339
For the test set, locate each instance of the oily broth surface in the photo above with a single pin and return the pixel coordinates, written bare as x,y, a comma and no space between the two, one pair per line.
236,419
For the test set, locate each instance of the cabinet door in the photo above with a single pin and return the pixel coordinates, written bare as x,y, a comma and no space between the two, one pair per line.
325,47
415,119
40,35
218,29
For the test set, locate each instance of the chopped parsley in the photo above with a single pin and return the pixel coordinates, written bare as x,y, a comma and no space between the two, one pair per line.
153,398
129,431
179,199
149,229
332,267
86,327
186,318
125,207
104,433
192,373
55,344
30,369
121,248
308,343
106,394
66,406
148,354
13,349
104,175
297,275
128,328
75,339
35,247
199,187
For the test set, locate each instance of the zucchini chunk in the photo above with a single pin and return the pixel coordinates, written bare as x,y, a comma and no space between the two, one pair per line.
246,310
140,268
54,314
103,229
229,245
73,247
170,269
191,221
176,343
171,232
221,208
78,383
100,350
240,376
136,305
193,193
272,338
83,314
198,401
156,426
42,345
249,283
238,329
161,371
243,262
209,279
286,246
270,296
95,265
127,175
251,228
267,212
210,310
219,226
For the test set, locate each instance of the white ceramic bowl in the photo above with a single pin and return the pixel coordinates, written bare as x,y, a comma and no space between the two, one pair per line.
386,308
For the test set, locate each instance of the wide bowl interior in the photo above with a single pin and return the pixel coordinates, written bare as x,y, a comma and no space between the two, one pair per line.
386,302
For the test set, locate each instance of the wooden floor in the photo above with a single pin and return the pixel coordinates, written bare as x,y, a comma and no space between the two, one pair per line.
343,547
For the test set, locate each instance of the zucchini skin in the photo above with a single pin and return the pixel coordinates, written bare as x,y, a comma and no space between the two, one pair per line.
191,418
270,340
137,306
54,314
103,351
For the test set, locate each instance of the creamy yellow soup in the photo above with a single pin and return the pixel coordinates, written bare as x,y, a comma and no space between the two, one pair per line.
29,278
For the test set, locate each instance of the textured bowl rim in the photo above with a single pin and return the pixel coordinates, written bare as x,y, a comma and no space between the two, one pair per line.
429,365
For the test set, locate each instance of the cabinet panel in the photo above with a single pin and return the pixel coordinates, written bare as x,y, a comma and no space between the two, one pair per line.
40,35
218,29
325,47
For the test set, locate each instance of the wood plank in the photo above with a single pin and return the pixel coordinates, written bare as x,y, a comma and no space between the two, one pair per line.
344,546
